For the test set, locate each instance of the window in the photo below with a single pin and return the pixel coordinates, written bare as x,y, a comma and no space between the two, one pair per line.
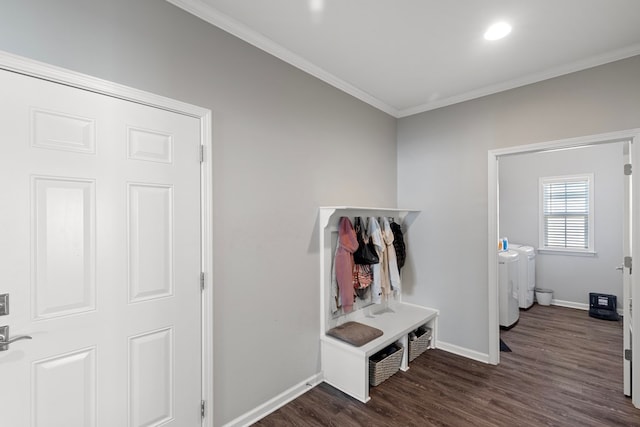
566,214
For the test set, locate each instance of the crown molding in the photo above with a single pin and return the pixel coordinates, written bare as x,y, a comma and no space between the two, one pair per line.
211,15
573,67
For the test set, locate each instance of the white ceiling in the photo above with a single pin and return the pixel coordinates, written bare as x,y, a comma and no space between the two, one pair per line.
410,56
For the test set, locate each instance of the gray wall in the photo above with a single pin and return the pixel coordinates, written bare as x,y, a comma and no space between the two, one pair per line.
570,277
284,143
442,170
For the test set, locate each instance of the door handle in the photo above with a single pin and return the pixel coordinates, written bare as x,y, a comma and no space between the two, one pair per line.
5,340
620,267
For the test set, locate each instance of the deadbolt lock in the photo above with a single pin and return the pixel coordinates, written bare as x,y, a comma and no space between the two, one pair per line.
4,304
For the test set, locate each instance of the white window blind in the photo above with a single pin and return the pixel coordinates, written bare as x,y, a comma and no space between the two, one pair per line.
566,221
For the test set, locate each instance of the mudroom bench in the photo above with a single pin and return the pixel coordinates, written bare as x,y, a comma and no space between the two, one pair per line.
345,366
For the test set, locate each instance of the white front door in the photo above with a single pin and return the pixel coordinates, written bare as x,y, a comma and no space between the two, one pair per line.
100,255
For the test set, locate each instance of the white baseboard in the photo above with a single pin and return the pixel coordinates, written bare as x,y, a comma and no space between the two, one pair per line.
462,351
277,402
576,305
570,304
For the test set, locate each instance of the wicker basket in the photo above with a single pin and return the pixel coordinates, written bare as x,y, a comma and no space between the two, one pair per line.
420,344
383,369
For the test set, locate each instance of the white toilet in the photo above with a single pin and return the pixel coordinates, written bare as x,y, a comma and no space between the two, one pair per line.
508,276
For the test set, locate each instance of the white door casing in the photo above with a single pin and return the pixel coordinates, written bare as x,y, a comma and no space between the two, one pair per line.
101,256
634,320
626,272
632,135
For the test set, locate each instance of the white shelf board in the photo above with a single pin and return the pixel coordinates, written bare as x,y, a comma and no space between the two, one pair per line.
326,212
393,324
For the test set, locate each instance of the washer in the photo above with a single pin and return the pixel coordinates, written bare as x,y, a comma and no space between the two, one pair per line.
527,274
508,276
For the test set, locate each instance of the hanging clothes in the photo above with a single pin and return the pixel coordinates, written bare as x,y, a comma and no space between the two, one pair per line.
398,244
363,276
385,281
347,244
394,272
335,302
373,230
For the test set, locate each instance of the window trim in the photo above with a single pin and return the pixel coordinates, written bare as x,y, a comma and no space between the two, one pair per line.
590,250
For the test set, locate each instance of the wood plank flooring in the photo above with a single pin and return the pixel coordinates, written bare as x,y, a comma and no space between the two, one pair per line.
565,369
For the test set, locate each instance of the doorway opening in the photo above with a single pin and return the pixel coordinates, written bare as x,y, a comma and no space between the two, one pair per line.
494,231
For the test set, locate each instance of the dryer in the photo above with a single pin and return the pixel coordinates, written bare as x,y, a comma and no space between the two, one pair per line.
527,274
508,276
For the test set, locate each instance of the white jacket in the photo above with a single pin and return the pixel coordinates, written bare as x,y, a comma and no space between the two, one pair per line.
392,262
373,231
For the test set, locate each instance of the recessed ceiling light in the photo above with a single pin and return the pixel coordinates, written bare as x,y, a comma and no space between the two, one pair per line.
497,31
316,5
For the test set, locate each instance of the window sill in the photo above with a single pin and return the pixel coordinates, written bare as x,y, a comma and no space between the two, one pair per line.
566,252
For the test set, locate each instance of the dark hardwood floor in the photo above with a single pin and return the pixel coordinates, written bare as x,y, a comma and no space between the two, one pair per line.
565,369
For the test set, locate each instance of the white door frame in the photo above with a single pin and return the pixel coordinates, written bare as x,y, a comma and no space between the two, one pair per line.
55,74
493,233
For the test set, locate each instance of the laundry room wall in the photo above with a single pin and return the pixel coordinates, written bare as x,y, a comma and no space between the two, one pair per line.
284,143
442,170
571,277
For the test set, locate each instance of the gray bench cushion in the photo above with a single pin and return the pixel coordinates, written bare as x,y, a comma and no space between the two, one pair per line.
355,333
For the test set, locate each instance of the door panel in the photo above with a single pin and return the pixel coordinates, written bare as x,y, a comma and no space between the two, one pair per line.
63,246
151,392
60,131
100,254
150,241
77,405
